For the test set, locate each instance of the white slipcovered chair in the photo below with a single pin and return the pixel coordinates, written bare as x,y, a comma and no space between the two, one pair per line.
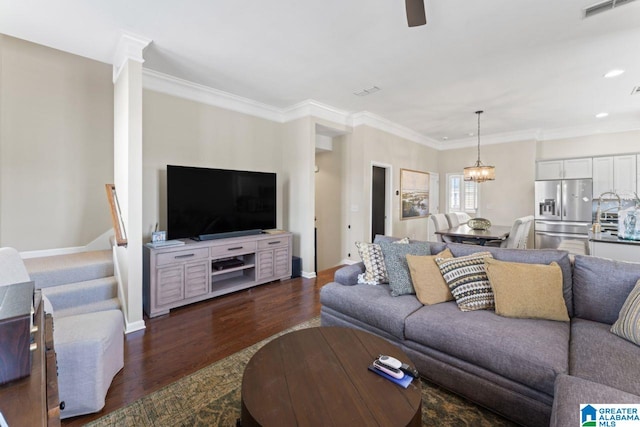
437,222
89,347
518,236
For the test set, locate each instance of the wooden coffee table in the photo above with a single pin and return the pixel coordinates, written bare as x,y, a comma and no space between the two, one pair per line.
319,377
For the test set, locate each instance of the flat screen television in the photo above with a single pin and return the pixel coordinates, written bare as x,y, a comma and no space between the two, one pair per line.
205,203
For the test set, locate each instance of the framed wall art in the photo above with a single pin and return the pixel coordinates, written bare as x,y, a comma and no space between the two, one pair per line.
414,194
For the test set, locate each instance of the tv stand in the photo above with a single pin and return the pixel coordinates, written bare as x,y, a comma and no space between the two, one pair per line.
228,234
174,276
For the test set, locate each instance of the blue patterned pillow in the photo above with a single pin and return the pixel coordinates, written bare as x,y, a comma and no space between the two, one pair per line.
628,324
375,272
395,261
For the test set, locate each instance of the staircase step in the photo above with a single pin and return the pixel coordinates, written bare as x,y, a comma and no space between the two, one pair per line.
104,305
60,269
80,293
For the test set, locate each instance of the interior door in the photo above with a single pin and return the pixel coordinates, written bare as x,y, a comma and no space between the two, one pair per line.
378,185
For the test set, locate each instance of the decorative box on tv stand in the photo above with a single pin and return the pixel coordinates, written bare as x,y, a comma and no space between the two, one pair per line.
16,321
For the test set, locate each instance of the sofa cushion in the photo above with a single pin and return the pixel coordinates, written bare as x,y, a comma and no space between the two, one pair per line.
527,290
395,259
427,280
529,351
372,305
467,278
600,356
628,324
601,286
373,260
529,256
571,392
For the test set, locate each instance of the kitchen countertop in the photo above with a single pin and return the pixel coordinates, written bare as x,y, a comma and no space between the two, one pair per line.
608,238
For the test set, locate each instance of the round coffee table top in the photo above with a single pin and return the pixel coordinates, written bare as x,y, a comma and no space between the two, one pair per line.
319,377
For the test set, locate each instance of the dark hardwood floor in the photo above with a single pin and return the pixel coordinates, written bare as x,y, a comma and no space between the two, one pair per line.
192,337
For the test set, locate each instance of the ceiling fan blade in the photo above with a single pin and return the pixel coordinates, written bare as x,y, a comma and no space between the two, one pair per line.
416,15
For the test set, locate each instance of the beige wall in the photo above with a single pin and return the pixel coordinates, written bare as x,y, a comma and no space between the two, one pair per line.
56,147
508,197
181,132
329,205
367,146
587,146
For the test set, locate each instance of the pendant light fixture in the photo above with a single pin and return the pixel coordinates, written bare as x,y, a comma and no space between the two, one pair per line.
479,172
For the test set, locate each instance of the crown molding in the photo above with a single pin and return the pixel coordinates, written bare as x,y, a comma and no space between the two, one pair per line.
378,122
311,107
170,85
498,138
129,48
164,83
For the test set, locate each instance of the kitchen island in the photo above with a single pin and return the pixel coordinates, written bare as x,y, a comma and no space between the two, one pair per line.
607,245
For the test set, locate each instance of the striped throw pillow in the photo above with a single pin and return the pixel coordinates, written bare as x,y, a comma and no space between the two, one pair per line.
467,279
628,324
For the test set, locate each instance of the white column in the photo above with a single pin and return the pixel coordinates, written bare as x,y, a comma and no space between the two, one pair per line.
127,80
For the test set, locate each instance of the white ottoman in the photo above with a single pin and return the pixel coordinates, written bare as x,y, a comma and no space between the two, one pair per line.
90,352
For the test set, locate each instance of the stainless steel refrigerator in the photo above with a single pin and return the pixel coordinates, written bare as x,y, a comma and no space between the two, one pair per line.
563,211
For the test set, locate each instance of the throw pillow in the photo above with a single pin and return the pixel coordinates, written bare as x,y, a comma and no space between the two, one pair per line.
467,279
527,290
395,260
372,258
427,280
628,324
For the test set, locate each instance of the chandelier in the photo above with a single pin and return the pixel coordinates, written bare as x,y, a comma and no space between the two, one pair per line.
479,172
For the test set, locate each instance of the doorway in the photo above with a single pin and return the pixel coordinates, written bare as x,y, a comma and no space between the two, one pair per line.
380,215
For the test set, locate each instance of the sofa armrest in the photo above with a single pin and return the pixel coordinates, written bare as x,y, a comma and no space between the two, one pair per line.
348,275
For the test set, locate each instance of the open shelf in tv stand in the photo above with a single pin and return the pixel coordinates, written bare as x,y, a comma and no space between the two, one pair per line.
179,275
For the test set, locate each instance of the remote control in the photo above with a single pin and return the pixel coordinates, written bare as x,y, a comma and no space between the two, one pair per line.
390,361
395,373
409,370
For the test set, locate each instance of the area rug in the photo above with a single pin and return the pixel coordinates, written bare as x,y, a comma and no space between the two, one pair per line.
211,397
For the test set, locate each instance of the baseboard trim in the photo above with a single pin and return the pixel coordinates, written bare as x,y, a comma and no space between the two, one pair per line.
347,261
135,326
309,274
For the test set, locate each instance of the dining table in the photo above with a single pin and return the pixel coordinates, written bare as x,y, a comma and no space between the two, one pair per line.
465,234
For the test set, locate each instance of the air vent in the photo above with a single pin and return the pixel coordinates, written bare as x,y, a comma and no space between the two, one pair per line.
365,92
604,6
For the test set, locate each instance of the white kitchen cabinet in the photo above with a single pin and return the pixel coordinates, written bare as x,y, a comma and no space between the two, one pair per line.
614,173
602,175
616,251
564,169
624,174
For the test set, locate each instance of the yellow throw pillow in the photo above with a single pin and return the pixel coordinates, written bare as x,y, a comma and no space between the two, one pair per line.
527,290
427,280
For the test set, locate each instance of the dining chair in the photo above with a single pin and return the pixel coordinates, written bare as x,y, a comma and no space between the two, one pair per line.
518,236
453,219
437,222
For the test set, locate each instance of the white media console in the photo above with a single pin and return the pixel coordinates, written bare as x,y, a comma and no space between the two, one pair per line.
178,275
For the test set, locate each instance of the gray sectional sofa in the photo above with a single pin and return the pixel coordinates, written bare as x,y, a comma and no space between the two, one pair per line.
534,372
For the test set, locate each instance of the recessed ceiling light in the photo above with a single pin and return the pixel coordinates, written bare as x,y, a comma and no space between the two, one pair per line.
445,138
601,115
613,73
470,134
